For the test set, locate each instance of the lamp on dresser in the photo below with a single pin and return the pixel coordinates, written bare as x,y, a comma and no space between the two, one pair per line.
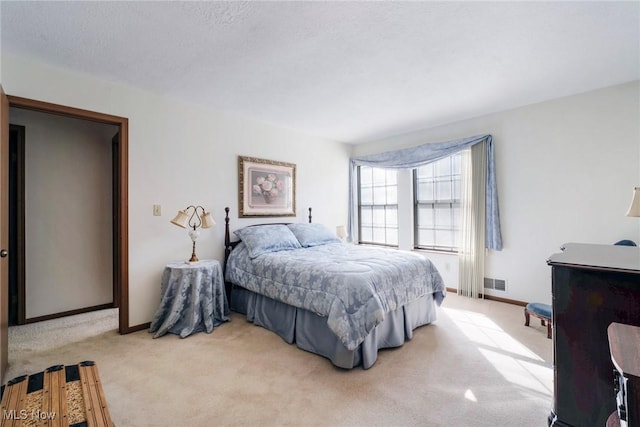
634,209
195,217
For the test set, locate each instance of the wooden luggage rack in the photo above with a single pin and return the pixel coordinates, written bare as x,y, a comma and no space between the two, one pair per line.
65,396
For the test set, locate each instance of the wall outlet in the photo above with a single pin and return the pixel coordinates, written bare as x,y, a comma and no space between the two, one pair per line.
157,210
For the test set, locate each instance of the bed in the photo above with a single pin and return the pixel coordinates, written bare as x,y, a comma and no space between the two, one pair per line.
338,300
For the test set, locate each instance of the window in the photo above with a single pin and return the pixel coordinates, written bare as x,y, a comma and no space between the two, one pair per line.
437,204
378,206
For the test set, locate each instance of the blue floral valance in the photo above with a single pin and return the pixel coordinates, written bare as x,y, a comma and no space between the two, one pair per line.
426,153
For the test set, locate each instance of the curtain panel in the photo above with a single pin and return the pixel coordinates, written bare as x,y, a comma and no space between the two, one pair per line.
472,222
413,157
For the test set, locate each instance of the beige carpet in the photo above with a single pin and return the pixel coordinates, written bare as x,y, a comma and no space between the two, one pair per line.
476,366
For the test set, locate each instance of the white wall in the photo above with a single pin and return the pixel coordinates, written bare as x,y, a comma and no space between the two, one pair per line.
182,154
565,168
68,236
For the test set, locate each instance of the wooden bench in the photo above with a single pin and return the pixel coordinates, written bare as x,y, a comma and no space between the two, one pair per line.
59,396
542,312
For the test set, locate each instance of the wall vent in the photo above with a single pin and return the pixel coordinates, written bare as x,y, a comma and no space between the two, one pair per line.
497,284
500,285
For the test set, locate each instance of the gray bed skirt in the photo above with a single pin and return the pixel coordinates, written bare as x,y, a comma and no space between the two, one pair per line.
310,332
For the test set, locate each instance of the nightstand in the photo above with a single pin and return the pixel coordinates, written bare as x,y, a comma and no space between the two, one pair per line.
192,299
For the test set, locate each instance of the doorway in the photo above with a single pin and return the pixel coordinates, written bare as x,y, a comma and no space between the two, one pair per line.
62,216
119,189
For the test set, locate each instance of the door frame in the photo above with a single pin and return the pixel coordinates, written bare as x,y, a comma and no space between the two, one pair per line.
121,213
4,232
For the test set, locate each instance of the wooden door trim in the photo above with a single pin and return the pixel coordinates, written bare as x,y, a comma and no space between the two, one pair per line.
115,190
63,110
123,176
4,228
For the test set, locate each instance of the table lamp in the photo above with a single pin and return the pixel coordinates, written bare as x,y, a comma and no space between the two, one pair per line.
341,232
194,217
634,209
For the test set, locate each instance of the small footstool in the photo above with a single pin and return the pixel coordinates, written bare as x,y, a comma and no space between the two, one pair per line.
542,312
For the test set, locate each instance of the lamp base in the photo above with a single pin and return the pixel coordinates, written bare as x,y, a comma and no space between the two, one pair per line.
194,258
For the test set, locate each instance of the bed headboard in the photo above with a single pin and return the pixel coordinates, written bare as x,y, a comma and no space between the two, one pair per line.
229,245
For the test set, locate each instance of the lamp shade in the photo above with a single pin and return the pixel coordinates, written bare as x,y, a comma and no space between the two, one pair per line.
181,219
207,220
341,232
634,209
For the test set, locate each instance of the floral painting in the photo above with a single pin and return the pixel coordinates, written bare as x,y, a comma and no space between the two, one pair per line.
266,187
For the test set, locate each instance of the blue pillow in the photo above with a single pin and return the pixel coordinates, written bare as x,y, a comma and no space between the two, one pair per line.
267,238
313,234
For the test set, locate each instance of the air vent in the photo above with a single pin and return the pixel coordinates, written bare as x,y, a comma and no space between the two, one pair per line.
500,285
497,284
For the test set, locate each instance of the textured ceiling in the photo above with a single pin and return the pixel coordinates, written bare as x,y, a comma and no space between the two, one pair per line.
346,71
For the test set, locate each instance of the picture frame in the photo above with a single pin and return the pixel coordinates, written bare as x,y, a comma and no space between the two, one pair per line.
266,188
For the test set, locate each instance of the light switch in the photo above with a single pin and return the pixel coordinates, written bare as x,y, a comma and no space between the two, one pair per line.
157,210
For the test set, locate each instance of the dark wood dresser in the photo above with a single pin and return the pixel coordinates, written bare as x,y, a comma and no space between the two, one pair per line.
592,286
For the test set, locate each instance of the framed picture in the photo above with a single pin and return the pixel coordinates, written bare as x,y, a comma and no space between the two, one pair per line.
266,187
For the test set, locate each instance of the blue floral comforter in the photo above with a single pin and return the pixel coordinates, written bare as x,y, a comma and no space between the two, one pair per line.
353,286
